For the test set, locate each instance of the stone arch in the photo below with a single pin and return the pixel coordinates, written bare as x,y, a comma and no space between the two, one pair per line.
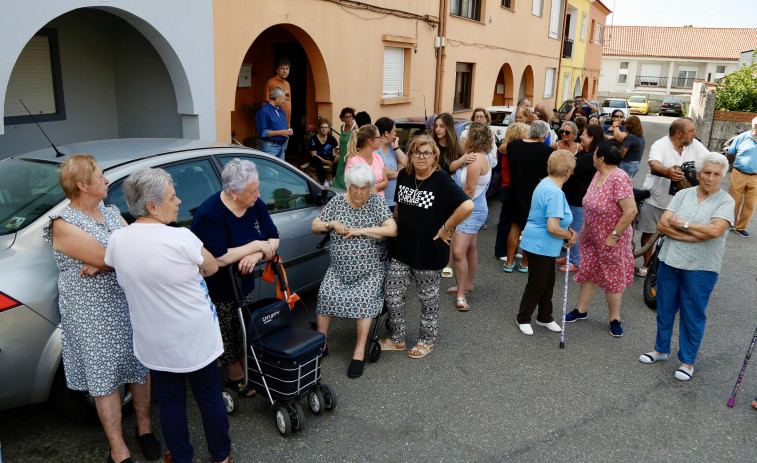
505,84
527,84
585,88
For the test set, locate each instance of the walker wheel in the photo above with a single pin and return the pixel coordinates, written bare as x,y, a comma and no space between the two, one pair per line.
228,400
283,420
374,352
316,401
298,417
329,396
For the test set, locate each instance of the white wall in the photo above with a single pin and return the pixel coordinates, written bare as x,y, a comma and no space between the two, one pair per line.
181,37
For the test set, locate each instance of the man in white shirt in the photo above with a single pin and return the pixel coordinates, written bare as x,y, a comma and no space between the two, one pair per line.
665,159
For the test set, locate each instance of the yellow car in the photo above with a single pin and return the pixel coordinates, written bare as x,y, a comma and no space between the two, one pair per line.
638,104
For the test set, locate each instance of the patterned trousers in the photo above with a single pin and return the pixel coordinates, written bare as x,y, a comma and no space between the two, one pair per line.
427,285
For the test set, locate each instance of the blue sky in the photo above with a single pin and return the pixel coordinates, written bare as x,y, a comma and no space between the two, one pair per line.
699,13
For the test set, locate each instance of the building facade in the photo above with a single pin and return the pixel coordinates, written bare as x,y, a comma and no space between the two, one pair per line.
387,57
592,67
667,60
89,70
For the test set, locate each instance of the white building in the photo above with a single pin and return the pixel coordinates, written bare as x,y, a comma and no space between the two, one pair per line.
96,69
667,60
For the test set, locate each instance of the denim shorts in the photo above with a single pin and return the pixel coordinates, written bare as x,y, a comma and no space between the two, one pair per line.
477,218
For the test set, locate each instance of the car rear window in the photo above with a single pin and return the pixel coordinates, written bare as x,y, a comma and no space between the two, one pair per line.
637,99
28,189
615,103
671,101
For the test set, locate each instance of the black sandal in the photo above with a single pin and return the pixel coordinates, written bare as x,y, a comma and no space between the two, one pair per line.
236,385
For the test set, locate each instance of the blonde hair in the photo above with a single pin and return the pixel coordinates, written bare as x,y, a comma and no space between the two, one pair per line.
561,162
359,138
516,131
72,170
486,114
479,138
415,145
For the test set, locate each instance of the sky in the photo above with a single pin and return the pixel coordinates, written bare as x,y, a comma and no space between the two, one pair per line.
699,13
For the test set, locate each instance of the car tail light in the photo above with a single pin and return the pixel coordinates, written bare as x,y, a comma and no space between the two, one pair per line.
7,302
678,106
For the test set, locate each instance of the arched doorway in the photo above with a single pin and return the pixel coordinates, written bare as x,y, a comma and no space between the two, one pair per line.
585,88
594,89
308,79
106,74
503,88
527,85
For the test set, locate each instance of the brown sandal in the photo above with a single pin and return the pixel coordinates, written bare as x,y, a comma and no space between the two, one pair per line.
420,350
388,344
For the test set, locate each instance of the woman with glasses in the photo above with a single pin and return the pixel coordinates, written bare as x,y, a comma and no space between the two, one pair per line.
347,115
322,150
567,137
429,207
616,123
362,150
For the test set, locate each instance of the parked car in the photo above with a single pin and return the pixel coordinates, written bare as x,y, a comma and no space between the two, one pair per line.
612,104
638,104
30,331
671,107
559,115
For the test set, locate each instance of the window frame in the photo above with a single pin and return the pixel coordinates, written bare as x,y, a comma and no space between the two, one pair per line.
584,25
398,92
541,8
551,88
508,4
467,93
55,69
599,38
623,72
477,6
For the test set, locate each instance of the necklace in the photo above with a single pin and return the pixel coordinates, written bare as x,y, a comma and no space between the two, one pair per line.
418,185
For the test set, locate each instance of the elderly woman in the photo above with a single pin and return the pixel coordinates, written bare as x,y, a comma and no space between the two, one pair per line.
547,227
568,134
605,243
354,283
694,223
176,332
347,116
474,179
97,335
577,185
516,131
362,150
528,166
633,142
235,227
322,150
429,207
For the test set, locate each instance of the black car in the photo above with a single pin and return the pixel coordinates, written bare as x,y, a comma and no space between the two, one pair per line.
671,107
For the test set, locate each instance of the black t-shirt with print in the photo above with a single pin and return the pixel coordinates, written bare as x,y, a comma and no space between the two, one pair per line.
422,208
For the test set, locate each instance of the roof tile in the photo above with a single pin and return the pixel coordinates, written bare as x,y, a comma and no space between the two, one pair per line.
679,42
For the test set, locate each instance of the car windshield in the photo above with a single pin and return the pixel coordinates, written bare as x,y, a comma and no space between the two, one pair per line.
615,104
637,99
28,189
500,118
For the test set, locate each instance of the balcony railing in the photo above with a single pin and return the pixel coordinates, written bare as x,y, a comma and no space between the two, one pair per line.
651,81
684,82
567,50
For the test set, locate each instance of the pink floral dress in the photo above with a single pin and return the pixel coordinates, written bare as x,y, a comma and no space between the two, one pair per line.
610,268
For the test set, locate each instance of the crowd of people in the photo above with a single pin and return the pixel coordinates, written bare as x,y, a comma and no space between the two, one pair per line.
145,303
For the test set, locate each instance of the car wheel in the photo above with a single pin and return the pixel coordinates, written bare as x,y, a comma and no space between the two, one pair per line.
79,405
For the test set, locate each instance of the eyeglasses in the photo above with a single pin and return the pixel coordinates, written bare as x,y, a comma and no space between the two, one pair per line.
422,154
617,115
567,131
379,137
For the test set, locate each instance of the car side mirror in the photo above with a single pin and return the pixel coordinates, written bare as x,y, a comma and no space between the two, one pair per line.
325,197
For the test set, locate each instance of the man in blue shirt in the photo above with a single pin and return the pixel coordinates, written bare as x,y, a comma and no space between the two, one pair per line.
271,123
581,107
743,182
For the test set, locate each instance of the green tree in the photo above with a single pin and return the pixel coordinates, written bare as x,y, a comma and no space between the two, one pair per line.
739,92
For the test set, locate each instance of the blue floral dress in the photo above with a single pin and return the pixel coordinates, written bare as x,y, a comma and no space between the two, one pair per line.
98,354
354,283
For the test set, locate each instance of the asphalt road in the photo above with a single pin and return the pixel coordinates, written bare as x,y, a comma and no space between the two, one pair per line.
488,393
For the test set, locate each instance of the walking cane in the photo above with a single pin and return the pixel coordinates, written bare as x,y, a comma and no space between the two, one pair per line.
732,400
565,299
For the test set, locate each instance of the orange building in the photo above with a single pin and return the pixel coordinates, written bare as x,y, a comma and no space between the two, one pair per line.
598,16
387,57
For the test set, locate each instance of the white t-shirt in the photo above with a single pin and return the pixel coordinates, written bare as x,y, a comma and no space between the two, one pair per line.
174,322
663,150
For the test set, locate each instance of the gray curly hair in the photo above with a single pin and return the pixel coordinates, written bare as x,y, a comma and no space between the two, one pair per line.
237,174
146,185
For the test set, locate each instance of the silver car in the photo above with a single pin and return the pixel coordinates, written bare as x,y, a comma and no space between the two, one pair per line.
30,333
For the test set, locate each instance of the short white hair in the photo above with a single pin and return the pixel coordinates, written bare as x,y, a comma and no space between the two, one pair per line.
539,130
237,174
713,157
146,185
359,175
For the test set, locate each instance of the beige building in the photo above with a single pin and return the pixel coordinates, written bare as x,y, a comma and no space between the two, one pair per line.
390,57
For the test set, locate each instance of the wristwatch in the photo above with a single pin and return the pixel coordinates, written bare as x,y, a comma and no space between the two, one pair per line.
615,234
686,225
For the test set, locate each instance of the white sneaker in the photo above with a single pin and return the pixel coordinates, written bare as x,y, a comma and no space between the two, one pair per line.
552,326
503,259
525,328
326,183
519,256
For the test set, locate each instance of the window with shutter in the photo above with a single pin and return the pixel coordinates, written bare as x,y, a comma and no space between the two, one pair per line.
555,18
394,71
538,7
33,81
549,83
